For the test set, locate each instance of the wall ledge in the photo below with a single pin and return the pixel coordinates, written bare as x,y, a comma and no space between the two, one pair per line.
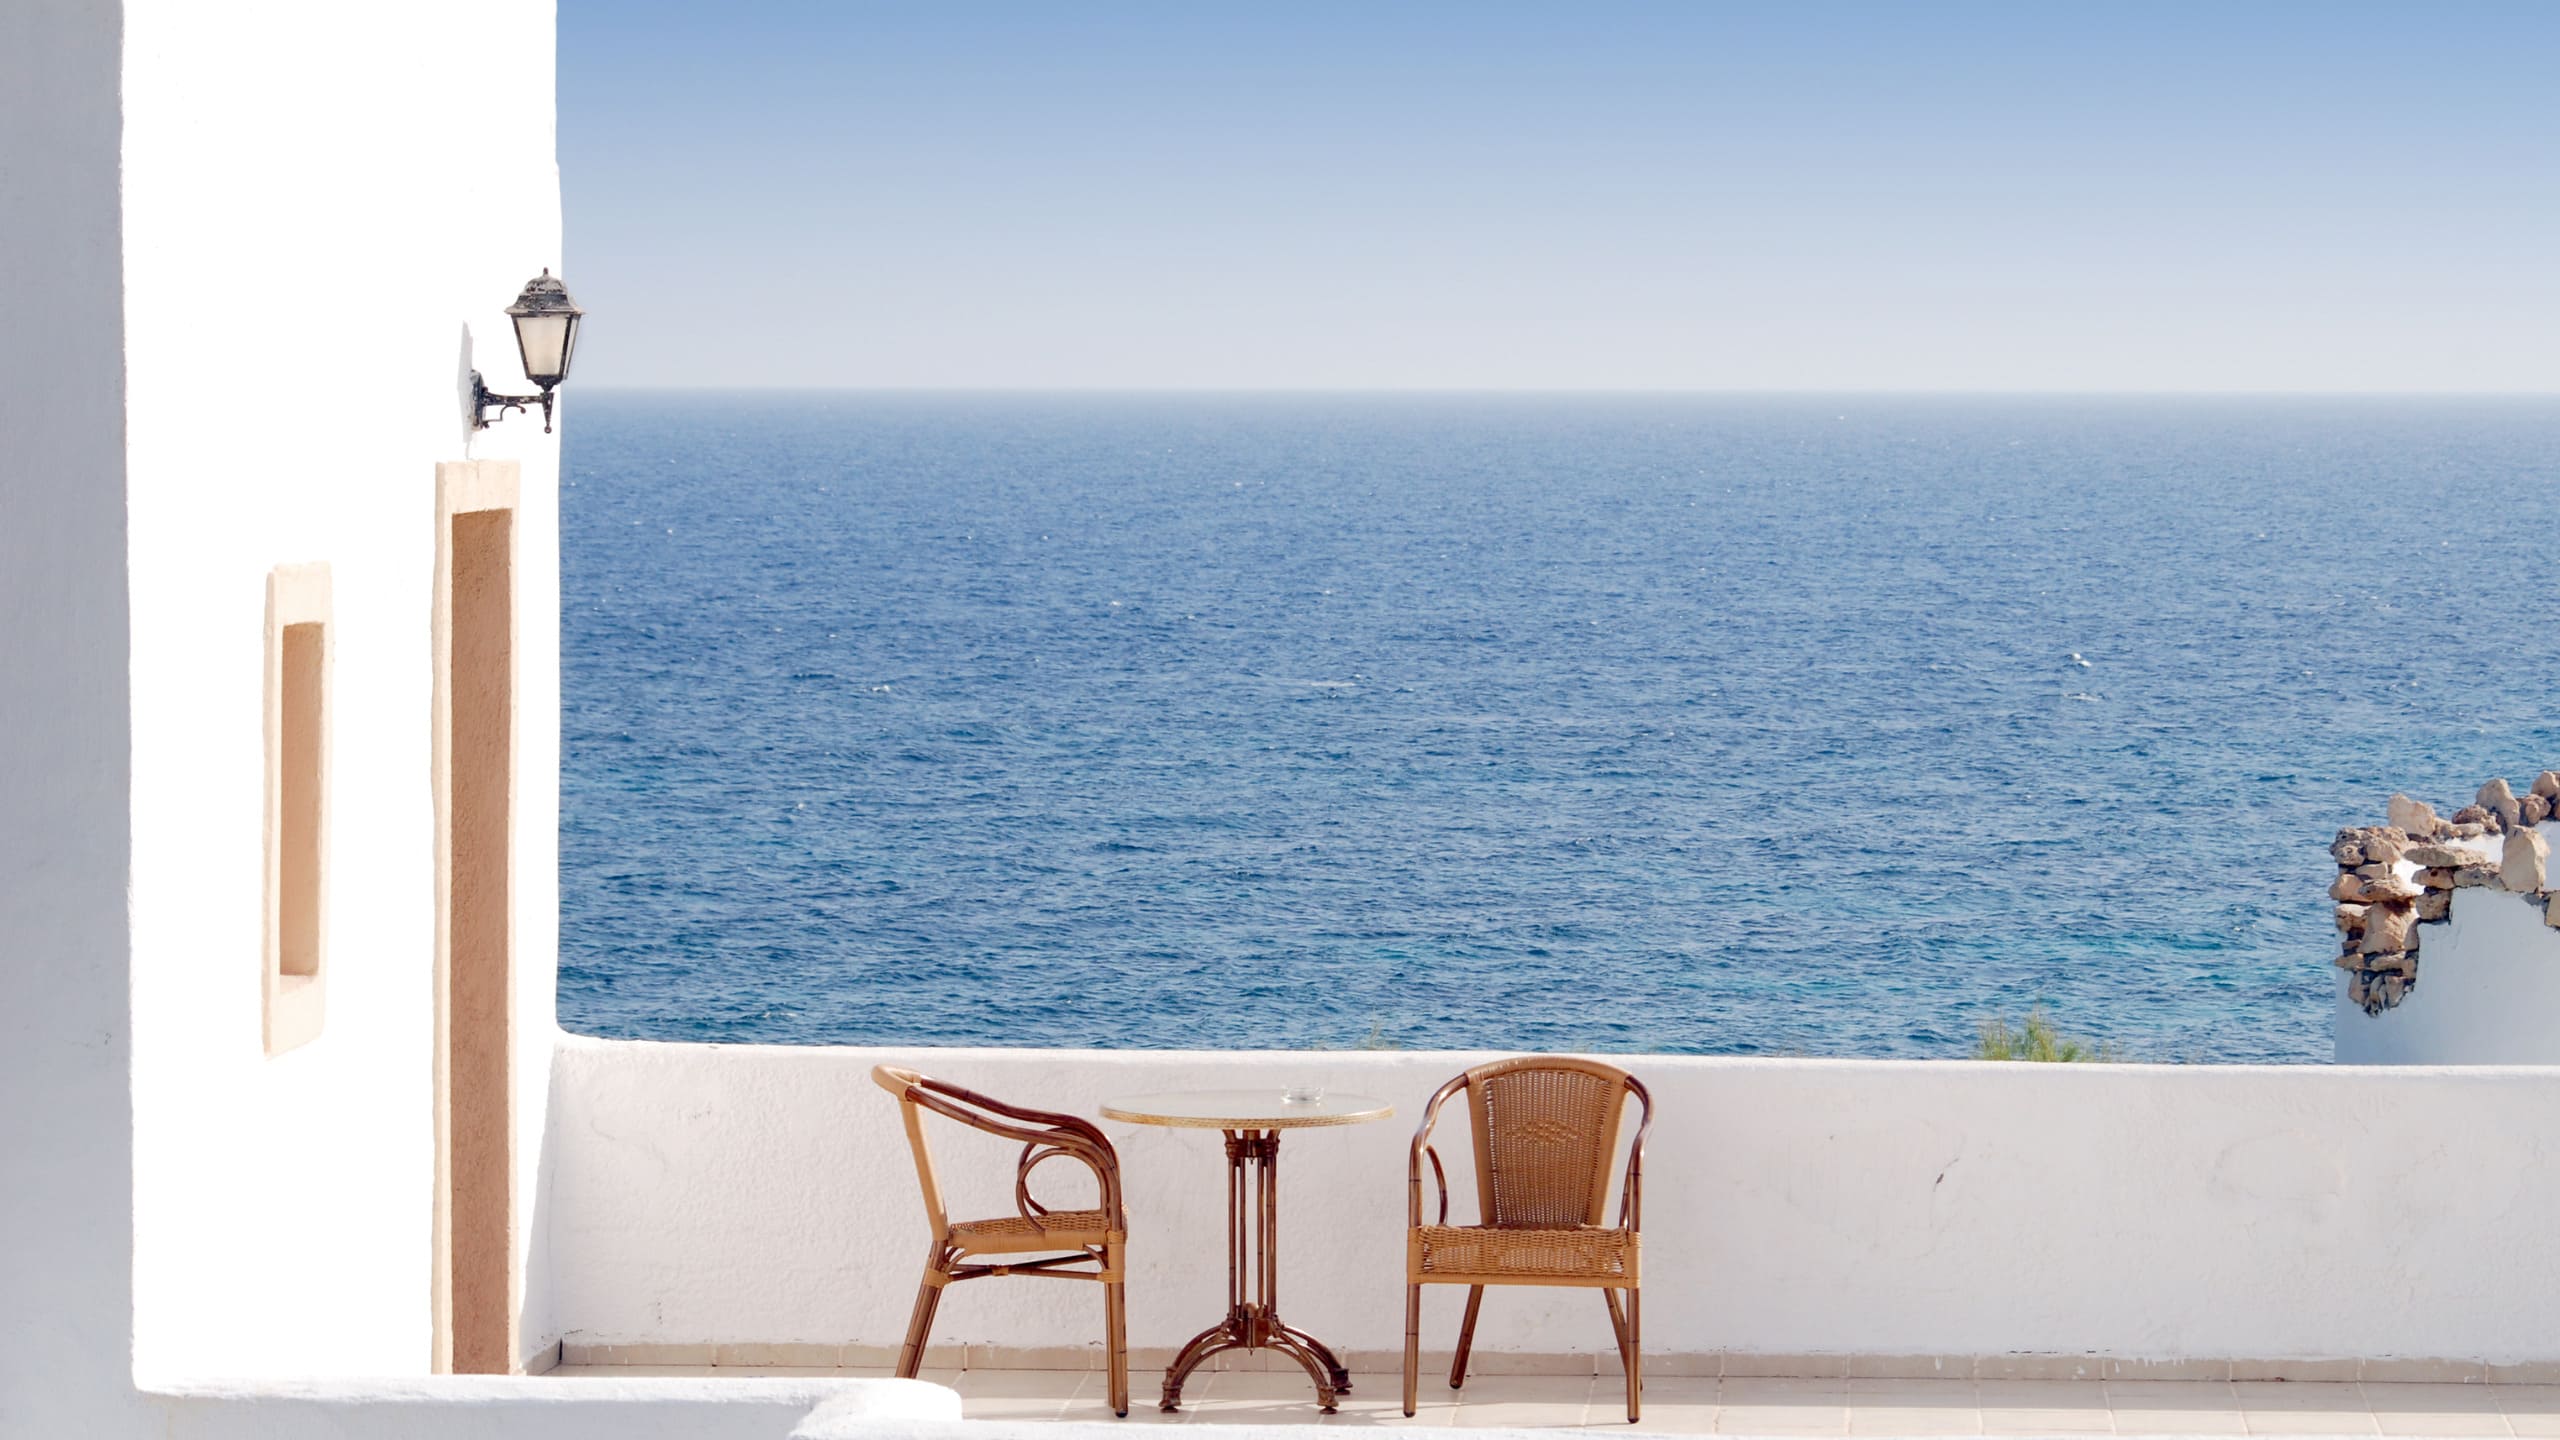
505,1407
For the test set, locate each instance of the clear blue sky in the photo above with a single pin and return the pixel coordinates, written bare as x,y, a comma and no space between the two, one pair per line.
2058,195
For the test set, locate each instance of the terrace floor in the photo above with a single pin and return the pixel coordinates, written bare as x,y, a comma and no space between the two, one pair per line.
1761,1406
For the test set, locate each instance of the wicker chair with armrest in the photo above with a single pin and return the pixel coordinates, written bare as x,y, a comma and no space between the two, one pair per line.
1035,1241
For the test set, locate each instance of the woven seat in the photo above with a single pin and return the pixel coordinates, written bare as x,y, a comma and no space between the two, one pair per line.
1017,1234
1054,1244
1580,1255
1546,1136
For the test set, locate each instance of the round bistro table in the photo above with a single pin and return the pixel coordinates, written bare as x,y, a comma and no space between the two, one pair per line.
1252,1120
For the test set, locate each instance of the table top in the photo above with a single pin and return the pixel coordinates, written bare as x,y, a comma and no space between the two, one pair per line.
1265,1109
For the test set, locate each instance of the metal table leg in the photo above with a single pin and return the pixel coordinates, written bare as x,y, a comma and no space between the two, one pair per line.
1253,1313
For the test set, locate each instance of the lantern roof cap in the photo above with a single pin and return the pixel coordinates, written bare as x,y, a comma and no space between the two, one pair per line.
544,295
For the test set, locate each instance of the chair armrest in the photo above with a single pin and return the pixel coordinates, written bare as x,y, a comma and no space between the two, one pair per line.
1422,1146
1105,1168
1042,1135
1631,1195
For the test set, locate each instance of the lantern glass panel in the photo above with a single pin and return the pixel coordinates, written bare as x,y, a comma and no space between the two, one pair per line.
545,341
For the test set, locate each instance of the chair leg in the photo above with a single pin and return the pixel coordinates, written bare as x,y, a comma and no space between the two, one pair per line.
1466,1338
1617,1325
1115,1307
920,1322
1635,1355
1412,1345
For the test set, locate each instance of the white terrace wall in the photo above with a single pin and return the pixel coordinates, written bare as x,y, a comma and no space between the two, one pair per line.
708,1195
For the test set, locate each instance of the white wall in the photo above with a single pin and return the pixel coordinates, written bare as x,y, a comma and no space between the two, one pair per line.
2488,991
326,206
65,1175
745,1193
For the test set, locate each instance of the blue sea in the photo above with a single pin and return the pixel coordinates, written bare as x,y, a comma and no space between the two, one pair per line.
1822,726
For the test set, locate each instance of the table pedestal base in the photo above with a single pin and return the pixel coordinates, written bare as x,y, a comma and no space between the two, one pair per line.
1253,1319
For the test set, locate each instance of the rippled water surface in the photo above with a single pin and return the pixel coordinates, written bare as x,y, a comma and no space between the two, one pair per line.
1788,725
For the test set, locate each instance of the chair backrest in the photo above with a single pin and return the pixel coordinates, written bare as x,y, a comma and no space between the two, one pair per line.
1042,1134
1546,1130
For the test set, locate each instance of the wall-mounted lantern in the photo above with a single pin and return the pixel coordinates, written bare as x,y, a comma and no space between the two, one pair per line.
546,321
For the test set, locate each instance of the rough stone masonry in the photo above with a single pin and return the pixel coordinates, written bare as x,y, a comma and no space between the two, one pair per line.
2396,879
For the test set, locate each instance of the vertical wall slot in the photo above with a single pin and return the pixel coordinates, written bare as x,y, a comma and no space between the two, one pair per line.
297,822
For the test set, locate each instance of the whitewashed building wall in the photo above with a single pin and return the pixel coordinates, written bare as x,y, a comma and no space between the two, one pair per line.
248,254
326,208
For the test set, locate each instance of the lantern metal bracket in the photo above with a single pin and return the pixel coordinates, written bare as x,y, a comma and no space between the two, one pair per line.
483,399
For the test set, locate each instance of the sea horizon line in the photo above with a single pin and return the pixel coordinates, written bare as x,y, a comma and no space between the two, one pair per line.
1558,392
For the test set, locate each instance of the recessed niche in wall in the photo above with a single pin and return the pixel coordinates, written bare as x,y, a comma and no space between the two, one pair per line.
297,831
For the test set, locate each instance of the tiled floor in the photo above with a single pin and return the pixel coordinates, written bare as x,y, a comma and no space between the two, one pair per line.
1770,1407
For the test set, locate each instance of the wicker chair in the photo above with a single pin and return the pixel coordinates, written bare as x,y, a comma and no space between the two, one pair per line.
1056,1244
1546,1130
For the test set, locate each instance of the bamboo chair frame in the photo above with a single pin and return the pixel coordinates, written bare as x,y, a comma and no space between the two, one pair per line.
1539,1214
1058,1243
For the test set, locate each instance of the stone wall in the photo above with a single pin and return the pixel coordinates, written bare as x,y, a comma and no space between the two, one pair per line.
2397,879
